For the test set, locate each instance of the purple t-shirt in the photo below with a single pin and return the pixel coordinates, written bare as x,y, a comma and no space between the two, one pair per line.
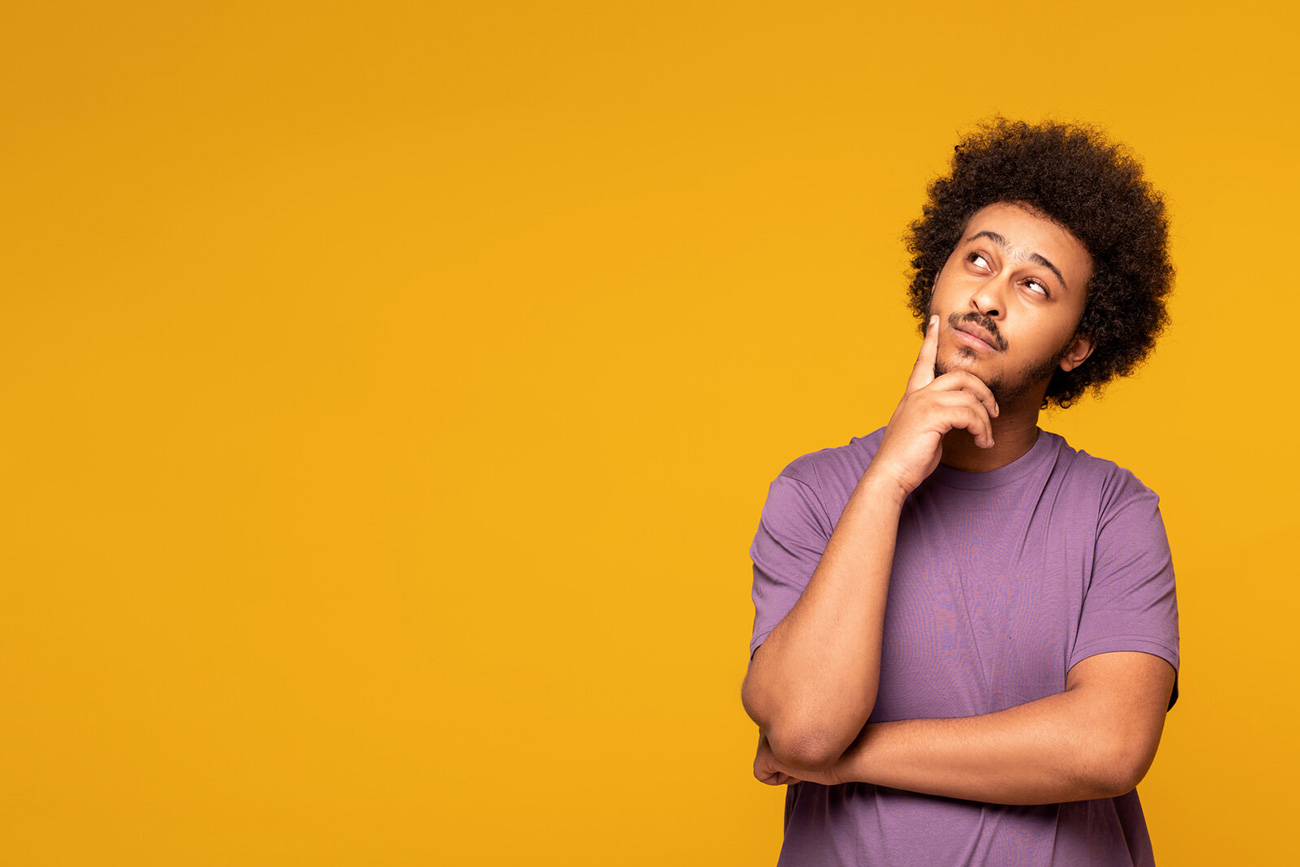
1001,582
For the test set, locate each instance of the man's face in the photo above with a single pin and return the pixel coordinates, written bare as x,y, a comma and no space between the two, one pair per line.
1009,299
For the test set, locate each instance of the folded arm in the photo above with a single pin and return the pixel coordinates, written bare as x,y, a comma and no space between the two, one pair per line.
812,683
1095,740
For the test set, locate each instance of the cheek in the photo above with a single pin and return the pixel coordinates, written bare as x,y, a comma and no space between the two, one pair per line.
1050,341
943,282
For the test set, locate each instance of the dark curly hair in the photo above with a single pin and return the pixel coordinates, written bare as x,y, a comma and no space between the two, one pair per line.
1094,188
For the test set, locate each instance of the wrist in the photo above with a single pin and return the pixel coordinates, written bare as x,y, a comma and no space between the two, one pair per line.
882,488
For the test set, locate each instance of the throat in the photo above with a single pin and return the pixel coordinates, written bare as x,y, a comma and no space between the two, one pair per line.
1012,440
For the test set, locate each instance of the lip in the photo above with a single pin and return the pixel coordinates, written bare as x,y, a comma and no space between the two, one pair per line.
974,336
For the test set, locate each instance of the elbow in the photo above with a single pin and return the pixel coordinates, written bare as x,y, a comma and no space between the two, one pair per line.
1116,768
795,740
805,746
1129,769
802,735
806,749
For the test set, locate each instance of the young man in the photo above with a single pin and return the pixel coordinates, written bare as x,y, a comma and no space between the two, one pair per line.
966,632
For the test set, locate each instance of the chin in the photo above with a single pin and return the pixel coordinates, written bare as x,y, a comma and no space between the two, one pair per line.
964,359
996,384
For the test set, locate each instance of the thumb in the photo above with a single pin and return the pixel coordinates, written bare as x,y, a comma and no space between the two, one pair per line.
923,372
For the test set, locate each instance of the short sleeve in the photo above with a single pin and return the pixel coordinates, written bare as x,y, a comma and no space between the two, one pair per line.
1130,603
792,535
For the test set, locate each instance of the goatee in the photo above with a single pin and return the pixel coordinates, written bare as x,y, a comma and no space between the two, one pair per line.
1031,378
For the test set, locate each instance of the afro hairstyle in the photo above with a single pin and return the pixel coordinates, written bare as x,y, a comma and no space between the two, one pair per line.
1074,176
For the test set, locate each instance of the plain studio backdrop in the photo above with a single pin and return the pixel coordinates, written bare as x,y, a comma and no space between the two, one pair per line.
390,392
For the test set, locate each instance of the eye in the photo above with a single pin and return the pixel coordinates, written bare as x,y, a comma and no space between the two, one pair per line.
1036,285
977,259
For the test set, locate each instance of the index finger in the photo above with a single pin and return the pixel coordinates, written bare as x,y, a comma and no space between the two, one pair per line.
923,372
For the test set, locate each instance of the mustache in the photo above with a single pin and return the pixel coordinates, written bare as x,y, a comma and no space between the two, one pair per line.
954,319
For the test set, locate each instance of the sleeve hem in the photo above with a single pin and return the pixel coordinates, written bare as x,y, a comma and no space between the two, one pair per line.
1126,643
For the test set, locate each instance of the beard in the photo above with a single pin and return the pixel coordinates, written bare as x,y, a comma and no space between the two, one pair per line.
1008,390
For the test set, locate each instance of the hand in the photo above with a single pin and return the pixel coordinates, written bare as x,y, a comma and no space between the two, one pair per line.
770,771
932,406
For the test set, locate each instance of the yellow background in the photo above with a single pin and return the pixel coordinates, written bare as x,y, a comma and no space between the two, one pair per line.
390,392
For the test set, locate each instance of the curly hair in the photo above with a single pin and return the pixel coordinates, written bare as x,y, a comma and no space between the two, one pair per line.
1094,188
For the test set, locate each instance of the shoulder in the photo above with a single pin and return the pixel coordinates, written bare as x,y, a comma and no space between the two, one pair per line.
828,476
1107,483
830,468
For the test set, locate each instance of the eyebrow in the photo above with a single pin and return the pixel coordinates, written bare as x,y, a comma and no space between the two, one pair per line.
1036,258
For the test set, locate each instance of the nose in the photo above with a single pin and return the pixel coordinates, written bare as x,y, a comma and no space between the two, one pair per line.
987,298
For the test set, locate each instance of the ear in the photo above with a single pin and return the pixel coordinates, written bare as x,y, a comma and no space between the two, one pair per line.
1079,350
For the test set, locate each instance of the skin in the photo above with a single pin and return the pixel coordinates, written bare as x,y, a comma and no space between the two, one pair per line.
1025,278
1005,306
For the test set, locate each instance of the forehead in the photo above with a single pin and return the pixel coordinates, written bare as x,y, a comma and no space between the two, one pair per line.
1028,232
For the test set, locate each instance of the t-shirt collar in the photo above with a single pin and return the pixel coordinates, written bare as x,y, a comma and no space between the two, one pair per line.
1043,450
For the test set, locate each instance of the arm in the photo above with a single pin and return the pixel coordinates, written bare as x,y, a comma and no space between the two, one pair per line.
1095,740
812,684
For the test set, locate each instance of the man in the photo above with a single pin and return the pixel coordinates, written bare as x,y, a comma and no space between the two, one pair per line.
966,632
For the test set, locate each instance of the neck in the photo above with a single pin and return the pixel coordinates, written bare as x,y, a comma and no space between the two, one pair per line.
1014,434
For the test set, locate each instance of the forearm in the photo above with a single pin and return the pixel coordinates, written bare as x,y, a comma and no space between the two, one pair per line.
1030,754
1065,747
812,683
